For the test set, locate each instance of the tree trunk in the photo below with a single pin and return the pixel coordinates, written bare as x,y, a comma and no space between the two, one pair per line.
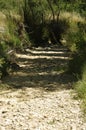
50,5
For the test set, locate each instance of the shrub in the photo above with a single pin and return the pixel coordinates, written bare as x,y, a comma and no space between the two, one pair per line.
81,88
79,58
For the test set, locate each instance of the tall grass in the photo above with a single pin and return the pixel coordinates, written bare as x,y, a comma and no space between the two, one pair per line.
72,33
11,17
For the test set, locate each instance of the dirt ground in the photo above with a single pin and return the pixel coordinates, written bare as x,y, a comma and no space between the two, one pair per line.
40,94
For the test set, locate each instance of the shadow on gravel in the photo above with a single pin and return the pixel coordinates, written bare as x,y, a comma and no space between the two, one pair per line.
48,74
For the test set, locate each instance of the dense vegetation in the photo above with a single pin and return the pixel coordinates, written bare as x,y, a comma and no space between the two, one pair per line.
41,23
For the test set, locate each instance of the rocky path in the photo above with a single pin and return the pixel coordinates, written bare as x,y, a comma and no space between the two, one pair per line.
41,97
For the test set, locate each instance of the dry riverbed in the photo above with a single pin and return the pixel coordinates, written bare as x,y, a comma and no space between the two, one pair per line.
41,97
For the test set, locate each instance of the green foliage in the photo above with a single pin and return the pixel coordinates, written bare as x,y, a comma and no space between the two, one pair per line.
9,39
43,22
76,64
3,49
45,34
38,14
11,5
3,59
81,38
79,58
81,88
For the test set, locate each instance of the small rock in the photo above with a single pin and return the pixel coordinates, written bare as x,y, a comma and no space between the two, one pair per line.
3,112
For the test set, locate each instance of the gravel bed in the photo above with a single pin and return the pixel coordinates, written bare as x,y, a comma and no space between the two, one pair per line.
41,94
31,109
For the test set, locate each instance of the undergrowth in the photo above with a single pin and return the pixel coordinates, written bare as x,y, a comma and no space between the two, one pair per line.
80,88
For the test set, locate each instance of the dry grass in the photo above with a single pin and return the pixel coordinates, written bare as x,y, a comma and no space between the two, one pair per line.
3,25
16,17
2,19
72,17
8,22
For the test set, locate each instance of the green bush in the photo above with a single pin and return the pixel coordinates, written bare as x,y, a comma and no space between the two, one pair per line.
75,65
81,88
79,58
